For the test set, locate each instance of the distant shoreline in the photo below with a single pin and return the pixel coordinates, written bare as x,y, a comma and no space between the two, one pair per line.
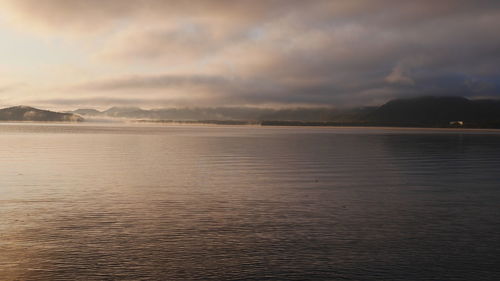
315,124
249,124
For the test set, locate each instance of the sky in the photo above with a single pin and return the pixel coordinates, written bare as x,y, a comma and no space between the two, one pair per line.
277,53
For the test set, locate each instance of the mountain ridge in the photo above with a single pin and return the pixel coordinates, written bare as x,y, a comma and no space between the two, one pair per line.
427,111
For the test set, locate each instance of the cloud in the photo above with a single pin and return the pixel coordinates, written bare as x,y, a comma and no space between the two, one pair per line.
11,87
276,52
399,76
4,88
99,101
89,15
152,82
175,45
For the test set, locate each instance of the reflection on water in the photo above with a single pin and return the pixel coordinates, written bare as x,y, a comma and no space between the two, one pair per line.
82,202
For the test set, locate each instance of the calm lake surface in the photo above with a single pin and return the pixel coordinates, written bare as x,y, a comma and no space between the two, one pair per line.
127,202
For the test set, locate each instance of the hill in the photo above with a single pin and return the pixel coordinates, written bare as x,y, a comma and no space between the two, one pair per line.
437,112
26,113
87,111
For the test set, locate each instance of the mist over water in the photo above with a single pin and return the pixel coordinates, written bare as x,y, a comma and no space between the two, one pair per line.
127,202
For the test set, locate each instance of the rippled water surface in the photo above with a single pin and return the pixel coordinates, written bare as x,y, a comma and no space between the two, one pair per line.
116,202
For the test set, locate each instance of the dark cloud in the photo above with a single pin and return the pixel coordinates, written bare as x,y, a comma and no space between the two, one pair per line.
153,82
101,101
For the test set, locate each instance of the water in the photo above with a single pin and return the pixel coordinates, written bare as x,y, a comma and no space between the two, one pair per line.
116,202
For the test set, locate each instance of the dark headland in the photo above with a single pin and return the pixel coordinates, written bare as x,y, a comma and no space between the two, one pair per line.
26,113
431,112
434,112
